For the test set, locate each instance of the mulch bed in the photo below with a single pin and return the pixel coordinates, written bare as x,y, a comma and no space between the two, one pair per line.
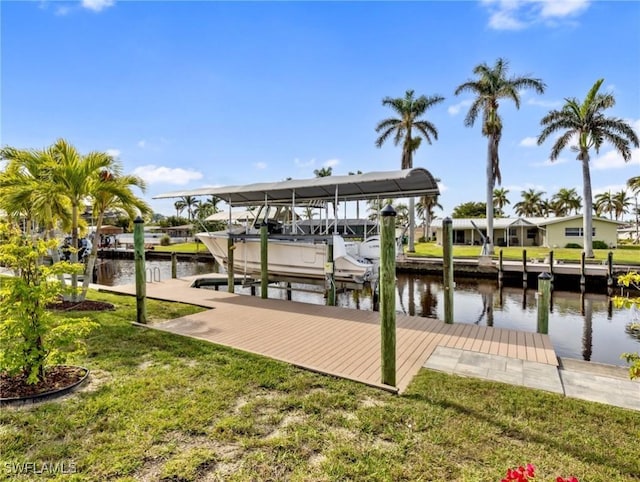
86,305
56,378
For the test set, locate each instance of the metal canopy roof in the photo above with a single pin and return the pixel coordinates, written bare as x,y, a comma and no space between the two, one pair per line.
371,185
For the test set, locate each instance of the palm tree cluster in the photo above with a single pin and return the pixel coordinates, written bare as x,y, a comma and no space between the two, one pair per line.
615,204
196,208
585,122
48,189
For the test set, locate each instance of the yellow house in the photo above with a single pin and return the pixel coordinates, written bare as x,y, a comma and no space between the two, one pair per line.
549,232
558,232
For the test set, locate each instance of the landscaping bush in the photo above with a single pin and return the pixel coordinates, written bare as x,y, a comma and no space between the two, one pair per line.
165,240
597,244
573,245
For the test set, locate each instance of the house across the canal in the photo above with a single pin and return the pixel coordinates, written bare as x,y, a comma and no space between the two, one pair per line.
551,232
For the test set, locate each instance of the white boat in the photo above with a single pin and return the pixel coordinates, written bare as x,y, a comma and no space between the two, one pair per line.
299,250
291,257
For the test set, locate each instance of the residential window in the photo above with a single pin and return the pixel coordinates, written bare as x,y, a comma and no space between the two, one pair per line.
531,233
576,232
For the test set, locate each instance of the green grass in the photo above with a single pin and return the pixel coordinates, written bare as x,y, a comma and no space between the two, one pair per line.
622,255
163,407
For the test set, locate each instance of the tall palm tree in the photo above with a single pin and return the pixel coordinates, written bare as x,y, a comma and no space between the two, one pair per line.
622,203
190,203
500,199
634,184
587,123
110,189
408,127
179,205
425,208
605,204
491,86
531,204
72,175
566,200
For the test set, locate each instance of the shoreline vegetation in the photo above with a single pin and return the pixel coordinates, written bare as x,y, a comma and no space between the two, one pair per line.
623,254
159,406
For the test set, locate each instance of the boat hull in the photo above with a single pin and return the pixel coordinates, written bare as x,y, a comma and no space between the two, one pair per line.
288,258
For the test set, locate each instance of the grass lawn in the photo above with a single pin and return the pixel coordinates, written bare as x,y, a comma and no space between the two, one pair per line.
162,407
626,254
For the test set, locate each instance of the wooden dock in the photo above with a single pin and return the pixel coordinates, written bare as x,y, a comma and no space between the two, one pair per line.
336,341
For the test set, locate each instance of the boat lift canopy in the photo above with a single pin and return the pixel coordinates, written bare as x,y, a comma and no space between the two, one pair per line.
372,185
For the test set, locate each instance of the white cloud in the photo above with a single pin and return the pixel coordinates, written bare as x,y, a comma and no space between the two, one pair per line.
613,160
141,143
153,174
516,188
549,104
612,188
563,8
331,163
549,162
455,108
115,153
300,163
61,11
529,142
442,187
97,5
260,165
520,14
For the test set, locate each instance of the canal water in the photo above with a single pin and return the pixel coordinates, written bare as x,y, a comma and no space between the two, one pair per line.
582,326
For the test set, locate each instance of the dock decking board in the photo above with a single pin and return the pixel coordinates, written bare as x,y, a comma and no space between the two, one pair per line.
337,341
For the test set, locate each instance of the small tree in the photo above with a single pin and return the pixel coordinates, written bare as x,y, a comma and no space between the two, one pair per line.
31,337
631,279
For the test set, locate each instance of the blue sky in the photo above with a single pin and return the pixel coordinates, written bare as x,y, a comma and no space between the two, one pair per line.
194,94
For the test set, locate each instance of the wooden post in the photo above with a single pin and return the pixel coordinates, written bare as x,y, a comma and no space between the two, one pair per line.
174,265
583,279
610,273
551,264
447,268
330,275
289,290
264,261
524,268
500,270
138,254
231,282
388,295
544,295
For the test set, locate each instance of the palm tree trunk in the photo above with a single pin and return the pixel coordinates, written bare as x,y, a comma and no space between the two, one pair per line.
412,223
490,183
91,261
74,251
587,220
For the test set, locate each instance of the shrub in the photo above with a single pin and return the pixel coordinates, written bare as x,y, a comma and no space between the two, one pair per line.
165,240
573,245
30,336
597,244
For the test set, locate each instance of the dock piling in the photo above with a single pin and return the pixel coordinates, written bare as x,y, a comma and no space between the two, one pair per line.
524,269
174,265
610,273
330,275
388,296
583,279
141,286
447,268
500,269
264,261
544,295
230,250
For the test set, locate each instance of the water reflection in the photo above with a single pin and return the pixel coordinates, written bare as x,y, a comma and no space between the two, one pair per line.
581,325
